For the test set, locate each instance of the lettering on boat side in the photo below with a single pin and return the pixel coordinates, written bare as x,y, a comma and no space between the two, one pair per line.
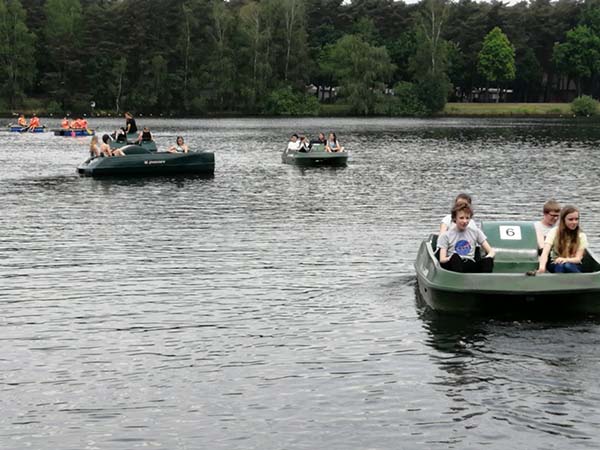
510,232
162,161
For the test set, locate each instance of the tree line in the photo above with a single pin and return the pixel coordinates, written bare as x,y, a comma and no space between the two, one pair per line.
196,57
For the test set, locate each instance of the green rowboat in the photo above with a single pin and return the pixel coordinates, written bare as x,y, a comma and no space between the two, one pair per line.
317,156
139,161
508,288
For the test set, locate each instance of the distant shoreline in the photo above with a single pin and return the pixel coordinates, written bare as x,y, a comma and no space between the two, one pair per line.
554,110
540,110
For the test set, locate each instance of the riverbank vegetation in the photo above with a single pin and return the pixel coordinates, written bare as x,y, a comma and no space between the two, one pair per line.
296,57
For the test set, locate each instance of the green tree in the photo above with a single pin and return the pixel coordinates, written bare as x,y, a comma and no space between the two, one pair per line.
497,58
362,71
579,56
17,60
62,31
254,50
431,54
221,68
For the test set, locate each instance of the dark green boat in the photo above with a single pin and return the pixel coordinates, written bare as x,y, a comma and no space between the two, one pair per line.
139,161
317,156
508,288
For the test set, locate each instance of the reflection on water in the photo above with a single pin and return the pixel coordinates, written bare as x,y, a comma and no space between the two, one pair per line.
274,307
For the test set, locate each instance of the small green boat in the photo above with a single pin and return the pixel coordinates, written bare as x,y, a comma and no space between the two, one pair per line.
509,288
139,161
317,156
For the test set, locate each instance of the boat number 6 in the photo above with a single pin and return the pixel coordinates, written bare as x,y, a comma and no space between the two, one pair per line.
511,232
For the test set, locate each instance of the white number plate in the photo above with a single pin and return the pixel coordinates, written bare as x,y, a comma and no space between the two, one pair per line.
512,233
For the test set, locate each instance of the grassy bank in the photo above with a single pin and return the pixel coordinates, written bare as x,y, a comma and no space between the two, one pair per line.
508,109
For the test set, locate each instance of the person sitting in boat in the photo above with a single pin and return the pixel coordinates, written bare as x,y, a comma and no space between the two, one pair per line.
106,150
548,221
145,136
457,245
565,245
95,151
332,144
34,123
84,124
294,144
304,145
64,124
320,140
179,147
22,121
446,222
119,135
130,125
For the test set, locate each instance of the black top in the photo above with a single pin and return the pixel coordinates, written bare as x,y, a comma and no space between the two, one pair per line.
130,126
146,136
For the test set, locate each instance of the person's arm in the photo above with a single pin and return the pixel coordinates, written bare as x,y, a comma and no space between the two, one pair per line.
489,251
443,228
444,255
543,260
574,260
540,237
185,148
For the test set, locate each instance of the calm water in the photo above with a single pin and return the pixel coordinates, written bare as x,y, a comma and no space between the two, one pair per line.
274,308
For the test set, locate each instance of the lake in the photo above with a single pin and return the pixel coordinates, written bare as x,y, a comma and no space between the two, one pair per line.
272,307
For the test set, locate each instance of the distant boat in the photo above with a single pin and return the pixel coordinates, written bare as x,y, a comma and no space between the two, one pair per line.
19,129
139,161
317,156
74,132
510,288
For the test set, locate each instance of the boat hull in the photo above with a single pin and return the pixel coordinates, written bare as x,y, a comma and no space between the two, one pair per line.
19,129
315,158
74,133
508,289
150,164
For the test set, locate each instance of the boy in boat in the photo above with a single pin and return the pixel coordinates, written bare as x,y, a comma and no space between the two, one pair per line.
457,245
548,222
447,220
21,121
64,124
565,245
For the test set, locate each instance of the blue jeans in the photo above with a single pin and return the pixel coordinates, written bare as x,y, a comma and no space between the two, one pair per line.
564,268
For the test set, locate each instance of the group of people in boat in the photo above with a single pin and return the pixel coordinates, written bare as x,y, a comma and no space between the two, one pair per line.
78,123
303,144
104,149
561,242
34,123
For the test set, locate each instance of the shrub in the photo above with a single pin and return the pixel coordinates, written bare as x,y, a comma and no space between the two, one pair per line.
433,90
584,106
404,102
285,102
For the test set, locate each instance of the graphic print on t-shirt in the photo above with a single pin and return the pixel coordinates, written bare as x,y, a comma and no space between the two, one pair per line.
462,247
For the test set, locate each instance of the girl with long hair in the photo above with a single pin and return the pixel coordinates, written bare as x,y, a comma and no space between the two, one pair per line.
565,245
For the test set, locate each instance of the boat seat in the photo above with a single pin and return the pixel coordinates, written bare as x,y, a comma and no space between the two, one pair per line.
515,244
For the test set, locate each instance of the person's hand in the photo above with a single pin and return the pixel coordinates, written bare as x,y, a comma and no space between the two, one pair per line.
560,260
